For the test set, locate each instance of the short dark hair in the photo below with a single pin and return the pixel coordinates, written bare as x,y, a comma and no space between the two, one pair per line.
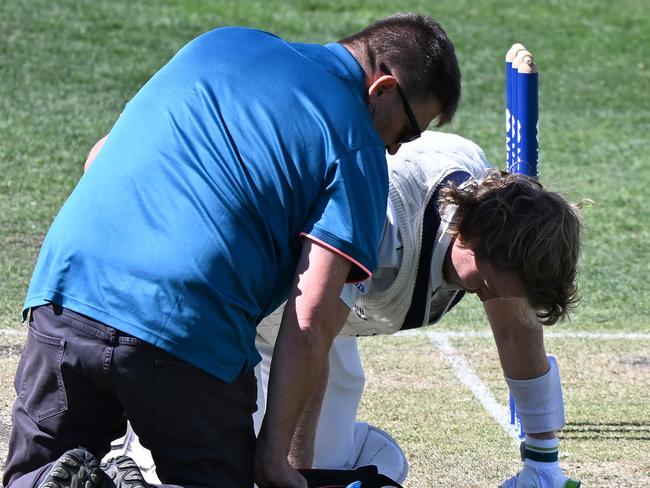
521,227
418,52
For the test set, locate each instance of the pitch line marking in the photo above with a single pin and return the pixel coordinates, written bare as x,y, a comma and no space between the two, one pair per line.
467,377
465,374
462,334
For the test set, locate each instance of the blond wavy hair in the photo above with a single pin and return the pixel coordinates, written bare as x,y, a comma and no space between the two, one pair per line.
522,228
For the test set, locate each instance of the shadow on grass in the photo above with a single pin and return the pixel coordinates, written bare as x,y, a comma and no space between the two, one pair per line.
631,430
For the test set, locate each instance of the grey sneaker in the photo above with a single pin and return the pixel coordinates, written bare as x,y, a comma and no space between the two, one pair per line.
124,472
76,468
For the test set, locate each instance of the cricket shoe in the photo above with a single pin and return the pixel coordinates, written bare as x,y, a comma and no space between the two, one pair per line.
129,445
76,468
124,472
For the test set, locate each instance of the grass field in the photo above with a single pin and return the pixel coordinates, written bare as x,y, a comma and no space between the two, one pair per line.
417,392
68,67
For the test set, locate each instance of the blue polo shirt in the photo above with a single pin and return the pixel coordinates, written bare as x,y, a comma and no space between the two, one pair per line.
186,230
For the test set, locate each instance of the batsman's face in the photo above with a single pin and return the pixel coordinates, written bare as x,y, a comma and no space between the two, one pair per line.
465,269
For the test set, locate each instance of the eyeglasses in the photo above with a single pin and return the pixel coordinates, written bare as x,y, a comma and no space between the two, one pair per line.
407,108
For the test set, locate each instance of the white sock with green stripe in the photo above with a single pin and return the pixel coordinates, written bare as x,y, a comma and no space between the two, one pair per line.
541,453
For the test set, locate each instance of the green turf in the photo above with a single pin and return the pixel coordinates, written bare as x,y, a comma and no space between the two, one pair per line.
68,67
446,434
450,439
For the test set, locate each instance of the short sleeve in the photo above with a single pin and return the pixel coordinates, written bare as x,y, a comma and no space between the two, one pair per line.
349,214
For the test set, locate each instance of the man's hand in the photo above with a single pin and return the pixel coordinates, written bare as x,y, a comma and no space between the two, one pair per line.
274,475
540,477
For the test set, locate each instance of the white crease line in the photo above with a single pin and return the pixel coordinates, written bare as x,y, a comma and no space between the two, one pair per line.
466,376
557,335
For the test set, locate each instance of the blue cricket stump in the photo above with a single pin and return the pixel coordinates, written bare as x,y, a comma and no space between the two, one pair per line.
522,153
511,102
521,111
515,419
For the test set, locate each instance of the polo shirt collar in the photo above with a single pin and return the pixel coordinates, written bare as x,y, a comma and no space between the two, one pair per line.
350,65
436,276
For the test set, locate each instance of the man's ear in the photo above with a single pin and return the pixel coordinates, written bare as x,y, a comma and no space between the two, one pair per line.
470,243
378,87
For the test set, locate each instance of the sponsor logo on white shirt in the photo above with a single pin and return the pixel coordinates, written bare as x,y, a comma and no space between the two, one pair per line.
361,313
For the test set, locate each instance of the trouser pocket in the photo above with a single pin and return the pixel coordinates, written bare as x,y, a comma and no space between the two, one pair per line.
39,381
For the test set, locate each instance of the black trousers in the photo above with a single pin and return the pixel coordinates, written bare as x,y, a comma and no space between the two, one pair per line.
79,380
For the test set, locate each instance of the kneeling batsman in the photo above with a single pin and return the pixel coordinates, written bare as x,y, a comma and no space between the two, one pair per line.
453,226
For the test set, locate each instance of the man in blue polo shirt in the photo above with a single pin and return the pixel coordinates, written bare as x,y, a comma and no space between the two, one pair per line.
246,172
